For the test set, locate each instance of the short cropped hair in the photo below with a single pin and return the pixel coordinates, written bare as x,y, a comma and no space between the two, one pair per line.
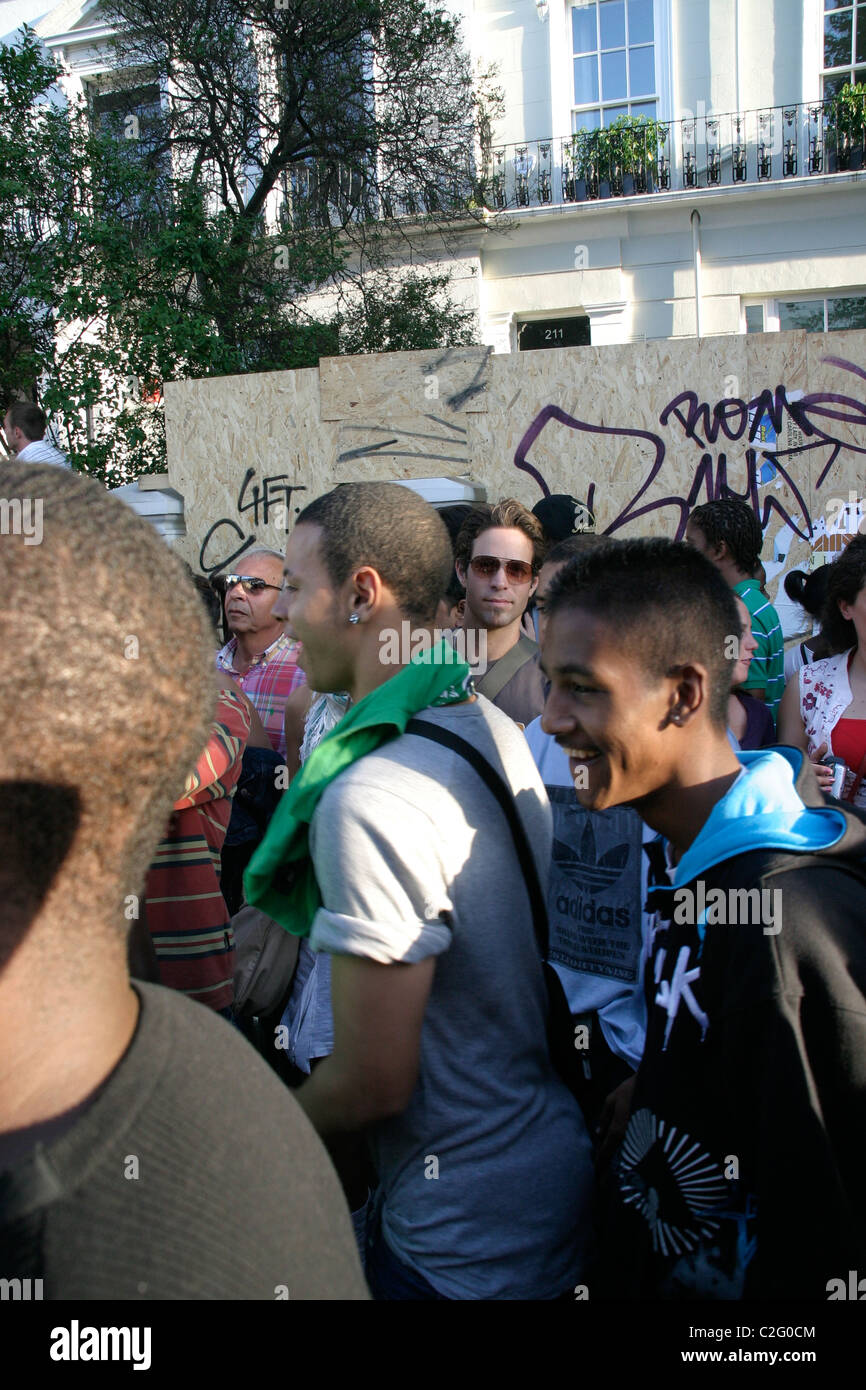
509,512
666,603
579,544
28,418
847,577
392,529
108,691
730,520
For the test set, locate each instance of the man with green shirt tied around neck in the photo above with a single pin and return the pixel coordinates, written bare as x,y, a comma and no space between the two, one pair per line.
729,534
395,857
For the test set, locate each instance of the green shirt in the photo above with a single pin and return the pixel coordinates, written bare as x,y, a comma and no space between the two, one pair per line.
767,671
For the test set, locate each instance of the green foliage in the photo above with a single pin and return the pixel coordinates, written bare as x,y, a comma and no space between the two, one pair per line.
847,114
127,262
629,145
415,312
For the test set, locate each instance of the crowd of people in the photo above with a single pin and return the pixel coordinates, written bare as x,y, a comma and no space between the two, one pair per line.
543,979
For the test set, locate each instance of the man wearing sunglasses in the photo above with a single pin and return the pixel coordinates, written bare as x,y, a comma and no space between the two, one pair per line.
259,657
498,554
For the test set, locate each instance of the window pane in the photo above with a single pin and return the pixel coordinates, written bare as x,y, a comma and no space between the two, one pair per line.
801,313
860,50
585,80
586,120
834,85
612,113
835,4
849,312
613,75
612,17
860,75
640,21
754,318
583,29
837,39
644,108
641,71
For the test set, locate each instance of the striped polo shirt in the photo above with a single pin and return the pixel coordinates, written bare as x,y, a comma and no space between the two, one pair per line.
767,671
186,913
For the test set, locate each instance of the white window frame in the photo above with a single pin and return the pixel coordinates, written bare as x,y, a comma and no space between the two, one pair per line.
771,305
824,72
561,64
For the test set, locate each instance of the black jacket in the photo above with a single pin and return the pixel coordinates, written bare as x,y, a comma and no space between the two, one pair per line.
742,1171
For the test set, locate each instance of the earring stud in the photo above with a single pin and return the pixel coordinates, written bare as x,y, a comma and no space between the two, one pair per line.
354,617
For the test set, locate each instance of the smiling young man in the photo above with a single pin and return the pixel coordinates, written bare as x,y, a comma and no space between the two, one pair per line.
439,1003
498,554
740,1175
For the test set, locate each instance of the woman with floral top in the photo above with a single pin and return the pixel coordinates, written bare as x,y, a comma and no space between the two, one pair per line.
823,709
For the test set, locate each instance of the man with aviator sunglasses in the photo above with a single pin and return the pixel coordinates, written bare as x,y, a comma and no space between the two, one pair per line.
498,554
259,657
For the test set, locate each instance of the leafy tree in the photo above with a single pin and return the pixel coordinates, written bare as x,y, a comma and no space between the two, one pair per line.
41,172
243,220
386,316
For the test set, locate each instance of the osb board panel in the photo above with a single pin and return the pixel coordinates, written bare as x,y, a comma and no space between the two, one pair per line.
643,431
246,453
454,381
419,447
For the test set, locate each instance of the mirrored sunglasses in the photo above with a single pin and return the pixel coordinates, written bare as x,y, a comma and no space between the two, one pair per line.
516,571
250,583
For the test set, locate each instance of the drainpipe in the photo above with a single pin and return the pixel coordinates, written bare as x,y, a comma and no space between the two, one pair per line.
736,55
696,251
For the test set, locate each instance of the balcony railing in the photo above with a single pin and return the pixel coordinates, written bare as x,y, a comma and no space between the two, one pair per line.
707,151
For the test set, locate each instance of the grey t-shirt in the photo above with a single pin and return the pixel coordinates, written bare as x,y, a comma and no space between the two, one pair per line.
487,1175
192,1174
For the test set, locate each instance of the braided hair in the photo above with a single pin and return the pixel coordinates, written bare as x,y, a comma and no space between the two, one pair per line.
731,520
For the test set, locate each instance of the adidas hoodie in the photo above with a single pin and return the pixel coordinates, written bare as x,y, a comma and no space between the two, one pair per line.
741,1175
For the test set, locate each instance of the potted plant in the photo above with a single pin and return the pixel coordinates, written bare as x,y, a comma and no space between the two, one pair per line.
846,128
619,159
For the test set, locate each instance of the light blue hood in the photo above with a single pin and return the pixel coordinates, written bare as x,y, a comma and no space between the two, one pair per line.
762,810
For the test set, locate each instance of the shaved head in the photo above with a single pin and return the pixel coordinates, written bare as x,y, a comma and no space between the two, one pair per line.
107,690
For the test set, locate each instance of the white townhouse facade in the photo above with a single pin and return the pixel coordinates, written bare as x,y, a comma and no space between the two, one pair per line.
733,202
743,211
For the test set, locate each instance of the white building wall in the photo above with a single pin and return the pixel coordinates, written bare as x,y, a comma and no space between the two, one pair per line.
627,262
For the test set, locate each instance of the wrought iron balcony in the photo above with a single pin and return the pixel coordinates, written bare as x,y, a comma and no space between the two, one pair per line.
635,157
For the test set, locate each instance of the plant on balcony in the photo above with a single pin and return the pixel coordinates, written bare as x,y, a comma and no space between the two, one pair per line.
846,127
620,158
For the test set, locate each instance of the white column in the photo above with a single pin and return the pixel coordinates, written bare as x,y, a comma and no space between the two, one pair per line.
497,331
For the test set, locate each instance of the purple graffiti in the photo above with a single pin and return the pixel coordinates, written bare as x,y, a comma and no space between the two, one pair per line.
736,420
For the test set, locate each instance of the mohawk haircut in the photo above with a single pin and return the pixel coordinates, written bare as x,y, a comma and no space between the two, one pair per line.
730,520
393,530
509,512
666,604
108,692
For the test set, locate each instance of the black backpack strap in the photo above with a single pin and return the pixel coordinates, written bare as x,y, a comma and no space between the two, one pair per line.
505,798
